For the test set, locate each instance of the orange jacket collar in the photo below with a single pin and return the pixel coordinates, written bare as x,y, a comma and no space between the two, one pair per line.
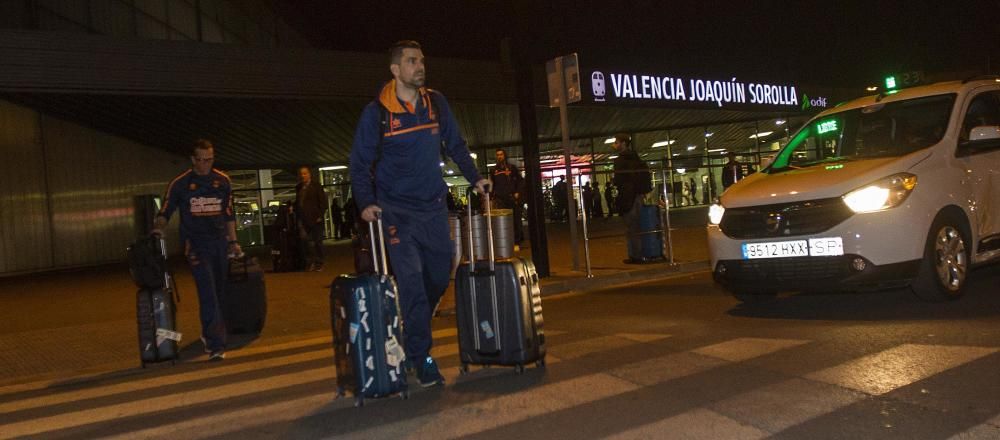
391,102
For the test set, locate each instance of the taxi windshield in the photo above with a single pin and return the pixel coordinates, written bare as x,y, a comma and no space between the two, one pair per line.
878,130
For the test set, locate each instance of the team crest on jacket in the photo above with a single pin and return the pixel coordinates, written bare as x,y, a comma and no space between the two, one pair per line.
216,183
192,186
396,123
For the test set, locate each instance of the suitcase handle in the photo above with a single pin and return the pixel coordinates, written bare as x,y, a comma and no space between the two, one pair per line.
492,272
168,280
381,246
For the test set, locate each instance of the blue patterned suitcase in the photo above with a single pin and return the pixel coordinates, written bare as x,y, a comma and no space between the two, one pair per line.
368,333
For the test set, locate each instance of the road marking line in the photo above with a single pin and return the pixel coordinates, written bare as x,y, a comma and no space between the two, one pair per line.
887,370
233,354
741,349
696,424
783,405
988,429
642,337
159,381
468,419
159,403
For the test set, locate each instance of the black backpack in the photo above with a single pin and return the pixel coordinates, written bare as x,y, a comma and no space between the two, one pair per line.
147,263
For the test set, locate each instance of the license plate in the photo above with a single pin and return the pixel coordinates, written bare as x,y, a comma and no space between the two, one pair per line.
816,247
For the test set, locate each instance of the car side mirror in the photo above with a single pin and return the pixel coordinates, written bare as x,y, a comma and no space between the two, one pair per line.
981,138
984,132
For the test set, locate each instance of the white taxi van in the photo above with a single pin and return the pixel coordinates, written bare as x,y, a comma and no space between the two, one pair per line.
891,190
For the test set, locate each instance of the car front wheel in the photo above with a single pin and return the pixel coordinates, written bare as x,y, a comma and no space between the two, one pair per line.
945,265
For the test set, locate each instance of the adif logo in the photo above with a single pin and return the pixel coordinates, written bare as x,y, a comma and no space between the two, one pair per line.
597,82
809,103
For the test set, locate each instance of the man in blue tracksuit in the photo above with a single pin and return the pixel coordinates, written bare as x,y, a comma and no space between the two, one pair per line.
208,230
410,122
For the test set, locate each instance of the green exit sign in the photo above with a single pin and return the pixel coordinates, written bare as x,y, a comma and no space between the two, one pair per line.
890,82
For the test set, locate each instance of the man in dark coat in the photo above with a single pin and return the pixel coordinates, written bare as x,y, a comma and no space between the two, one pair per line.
310,207
633,182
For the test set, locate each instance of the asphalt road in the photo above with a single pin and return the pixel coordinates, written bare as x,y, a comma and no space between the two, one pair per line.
671,359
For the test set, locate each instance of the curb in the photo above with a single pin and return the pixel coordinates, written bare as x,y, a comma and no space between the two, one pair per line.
583,284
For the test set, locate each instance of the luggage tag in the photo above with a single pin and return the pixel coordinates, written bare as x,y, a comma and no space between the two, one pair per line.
354,332
487,329
163,334
394,353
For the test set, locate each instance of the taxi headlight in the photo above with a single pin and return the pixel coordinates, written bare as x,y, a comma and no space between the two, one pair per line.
715,213
882,194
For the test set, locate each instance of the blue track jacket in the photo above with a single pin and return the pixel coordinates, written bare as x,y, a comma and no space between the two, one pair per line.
408,175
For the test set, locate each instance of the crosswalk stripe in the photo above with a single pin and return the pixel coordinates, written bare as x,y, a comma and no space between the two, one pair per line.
741,349
151,405
785,404
989,429
313,338
887,370
697,424
250,418
505,410
468,419
234,354
108,390
643,337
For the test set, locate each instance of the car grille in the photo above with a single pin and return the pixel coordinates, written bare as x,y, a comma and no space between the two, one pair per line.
788,270
784,219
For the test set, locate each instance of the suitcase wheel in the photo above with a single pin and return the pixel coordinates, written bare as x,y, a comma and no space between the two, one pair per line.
540,363
405,394
463,369
143,363
359,402
519,368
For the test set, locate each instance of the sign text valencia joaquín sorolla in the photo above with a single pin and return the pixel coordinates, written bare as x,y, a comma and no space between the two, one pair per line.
609,86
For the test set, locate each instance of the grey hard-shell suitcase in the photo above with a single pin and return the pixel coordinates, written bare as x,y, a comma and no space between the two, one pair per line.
499,311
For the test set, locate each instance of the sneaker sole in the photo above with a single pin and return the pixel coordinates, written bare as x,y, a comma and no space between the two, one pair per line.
431,384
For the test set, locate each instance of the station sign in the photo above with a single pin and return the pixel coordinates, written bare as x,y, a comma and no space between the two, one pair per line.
631,88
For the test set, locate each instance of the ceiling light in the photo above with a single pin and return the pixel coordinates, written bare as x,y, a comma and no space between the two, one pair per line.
548,161
334,167
664,143
490,165
613,157
871,88
474,155
716,150
609,140
780,122
763,133
691,147
708,134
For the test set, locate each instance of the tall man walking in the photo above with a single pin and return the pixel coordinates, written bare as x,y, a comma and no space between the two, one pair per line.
633,182
506,190
204,197
398,147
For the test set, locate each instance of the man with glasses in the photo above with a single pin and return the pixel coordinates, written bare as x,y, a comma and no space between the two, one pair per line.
208,230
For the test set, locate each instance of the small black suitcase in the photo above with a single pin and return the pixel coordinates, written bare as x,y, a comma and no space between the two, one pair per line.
155,305
368,333
244,302
499,310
